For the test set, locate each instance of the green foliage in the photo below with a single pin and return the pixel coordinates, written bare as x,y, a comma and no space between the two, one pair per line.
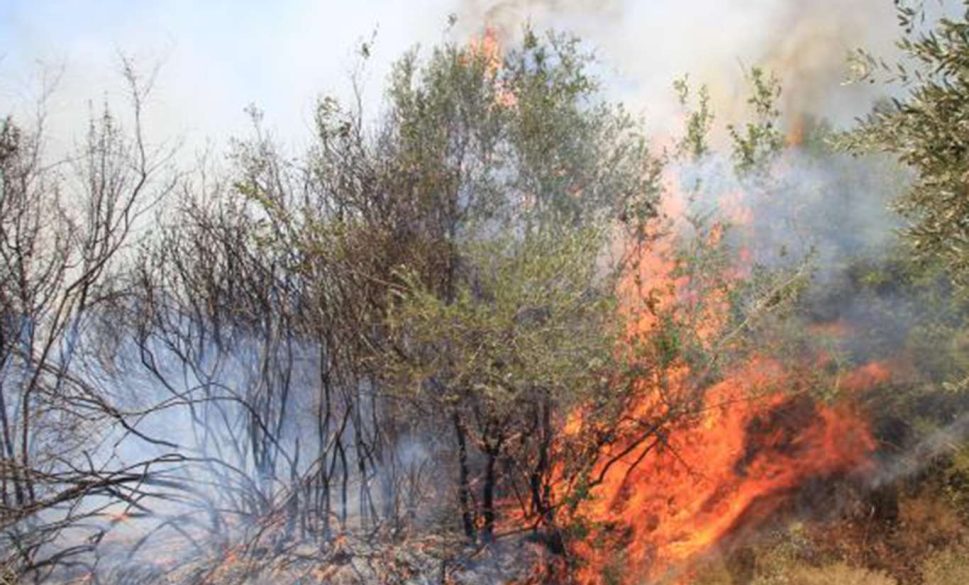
756,144
694,144
925,129
458,253
523,139
530,323
911,313
464,243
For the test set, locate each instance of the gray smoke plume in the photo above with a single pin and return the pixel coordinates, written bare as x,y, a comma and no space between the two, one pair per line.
916,458
647,45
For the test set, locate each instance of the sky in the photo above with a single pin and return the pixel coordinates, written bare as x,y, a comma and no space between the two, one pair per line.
215,57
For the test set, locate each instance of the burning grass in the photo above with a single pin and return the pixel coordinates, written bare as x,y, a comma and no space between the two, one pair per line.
748,448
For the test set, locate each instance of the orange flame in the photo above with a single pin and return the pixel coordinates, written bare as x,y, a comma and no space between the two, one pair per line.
796,131
678,495
488,47
658,500
662,498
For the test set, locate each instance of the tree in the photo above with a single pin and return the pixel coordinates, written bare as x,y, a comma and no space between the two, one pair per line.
476,222
539,175
530,336
925,128
61,244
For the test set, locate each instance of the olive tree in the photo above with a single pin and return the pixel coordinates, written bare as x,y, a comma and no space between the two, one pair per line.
925,128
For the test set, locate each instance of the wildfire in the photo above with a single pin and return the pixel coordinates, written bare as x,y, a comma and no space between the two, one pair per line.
488,48
795,131
743,447
678,496
713,459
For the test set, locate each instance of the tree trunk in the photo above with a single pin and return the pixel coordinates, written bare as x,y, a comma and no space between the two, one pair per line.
464,489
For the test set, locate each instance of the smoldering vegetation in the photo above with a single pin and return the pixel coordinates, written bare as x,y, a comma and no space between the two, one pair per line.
166,395
409,354
207,368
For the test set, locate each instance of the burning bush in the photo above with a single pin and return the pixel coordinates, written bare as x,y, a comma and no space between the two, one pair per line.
493,333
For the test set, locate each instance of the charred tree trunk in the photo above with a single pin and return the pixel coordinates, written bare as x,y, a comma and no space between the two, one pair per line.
538,478
464,486
488,495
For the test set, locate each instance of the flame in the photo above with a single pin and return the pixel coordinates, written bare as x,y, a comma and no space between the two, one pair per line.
866,377
718,457
119,517
675,497
742,447
488,48
795,130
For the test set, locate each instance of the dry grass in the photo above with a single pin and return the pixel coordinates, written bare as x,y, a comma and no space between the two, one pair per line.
926,543
947,567
839,573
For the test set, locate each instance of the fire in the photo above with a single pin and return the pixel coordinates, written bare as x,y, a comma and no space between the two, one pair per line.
488,48
866,377
795,131
676,496
119,517
714,457
721,457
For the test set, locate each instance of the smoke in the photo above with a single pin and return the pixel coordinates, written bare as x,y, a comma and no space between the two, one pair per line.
283,59
647,45
823,205
916,458
506,17
213,483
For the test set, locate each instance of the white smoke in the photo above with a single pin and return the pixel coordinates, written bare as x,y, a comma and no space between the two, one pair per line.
647,45
215,62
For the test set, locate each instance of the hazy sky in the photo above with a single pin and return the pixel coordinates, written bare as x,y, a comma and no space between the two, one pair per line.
218,56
